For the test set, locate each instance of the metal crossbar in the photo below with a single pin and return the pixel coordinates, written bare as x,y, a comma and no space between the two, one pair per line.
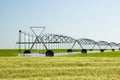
57,41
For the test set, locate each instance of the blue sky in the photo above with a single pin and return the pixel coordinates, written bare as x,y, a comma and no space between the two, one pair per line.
94,19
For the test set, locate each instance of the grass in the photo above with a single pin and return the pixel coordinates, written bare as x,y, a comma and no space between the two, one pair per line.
14,52
8,52
54,50
60,68
97,54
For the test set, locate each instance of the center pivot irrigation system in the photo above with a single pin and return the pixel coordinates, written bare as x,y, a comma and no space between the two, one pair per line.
49,44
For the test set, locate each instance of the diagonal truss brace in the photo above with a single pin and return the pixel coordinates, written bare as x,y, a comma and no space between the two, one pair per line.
38,37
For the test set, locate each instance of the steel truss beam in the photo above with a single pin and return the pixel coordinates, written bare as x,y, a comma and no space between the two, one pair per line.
57,38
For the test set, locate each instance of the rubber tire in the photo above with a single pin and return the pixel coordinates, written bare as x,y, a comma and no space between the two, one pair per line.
27,52
49,53
113,49
101,50
84,51
69,50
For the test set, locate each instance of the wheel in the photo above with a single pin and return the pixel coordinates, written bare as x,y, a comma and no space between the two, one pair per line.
101,50
49,53
84,51
113,49
69,50
27,52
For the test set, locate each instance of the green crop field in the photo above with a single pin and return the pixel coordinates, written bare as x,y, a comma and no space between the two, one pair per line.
8,52
14,52
97,54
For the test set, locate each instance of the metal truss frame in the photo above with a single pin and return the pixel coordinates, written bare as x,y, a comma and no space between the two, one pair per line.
51,38
85,41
